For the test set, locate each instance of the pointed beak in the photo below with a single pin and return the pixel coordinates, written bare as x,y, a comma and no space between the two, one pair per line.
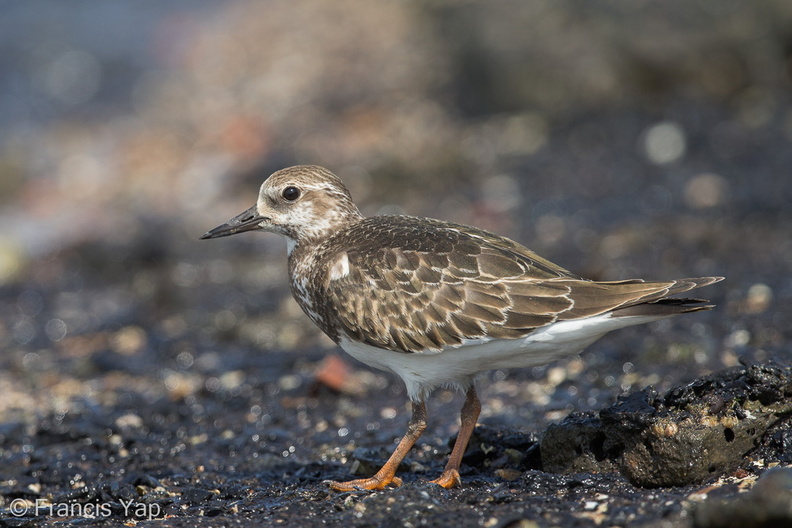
248,221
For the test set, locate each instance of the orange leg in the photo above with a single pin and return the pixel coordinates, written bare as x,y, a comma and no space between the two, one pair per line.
387,474
469,415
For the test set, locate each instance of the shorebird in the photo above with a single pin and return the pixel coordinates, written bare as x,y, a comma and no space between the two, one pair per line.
435,302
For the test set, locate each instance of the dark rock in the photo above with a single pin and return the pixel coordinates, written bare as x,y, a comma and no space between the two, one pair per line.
768,504
577,445
702,429
495,448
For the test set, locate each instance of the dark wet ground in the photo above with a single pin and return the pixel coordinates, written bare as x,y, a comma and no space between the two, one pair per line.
145,373
194,390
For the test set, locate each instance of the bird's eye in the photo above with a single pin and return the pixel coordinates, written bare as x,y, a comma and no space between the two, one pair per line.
290,193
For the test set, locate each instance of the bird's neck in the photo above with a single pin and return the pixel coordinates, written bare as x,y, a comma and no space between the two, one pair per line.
305,279
321,228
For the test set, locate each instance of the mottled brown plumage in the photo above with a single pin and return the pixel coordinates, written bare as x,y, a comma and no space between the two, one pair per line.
437,302
431,285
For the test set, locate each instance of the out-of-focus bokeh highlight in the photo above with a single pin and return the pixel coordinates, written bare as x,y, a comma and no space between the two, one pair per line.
619,139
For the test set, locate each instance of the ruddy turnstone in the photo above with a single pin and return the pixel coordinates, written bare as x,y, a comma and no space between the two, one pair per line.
435,302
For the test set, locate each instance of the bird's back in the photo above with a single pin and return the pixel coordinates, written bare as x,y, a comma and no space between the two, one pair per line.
418,285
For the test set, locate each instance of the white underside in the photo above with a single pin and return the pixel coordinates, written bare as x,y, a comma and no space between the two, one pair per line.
456,366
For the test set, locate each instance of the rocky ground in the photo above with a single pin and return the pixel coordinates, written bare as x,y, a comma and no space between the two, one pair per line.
150,378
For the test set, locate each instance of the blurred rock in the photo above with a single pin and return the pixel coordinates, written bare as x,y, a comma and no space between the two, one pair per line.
767,505
692,433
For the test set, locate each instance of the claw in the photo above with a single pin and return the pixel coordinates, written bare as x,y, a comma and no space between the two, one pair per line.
449,479
373,483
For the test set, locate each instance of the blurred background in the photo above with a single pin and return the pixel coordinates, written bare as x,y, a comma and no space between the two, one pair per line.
619,139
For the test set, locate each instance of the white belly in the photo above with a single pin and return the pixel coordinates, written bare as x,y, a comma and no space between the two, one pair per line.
456,366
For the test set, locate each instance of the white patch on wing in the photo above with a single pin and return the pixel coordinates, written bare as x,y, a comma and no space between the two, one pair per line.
456,366
340,267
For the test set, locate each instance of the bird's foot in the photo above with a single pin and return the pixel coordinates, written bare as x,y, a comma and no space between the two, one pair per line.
376,482
448,479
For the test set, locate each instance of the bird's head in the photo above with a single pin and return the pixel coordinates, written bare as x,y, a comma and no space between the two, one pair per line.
302,203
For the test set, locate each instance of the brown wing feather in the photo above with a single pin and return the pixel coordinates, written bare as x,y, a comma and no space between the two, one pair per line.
431,284
593,298
427,288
